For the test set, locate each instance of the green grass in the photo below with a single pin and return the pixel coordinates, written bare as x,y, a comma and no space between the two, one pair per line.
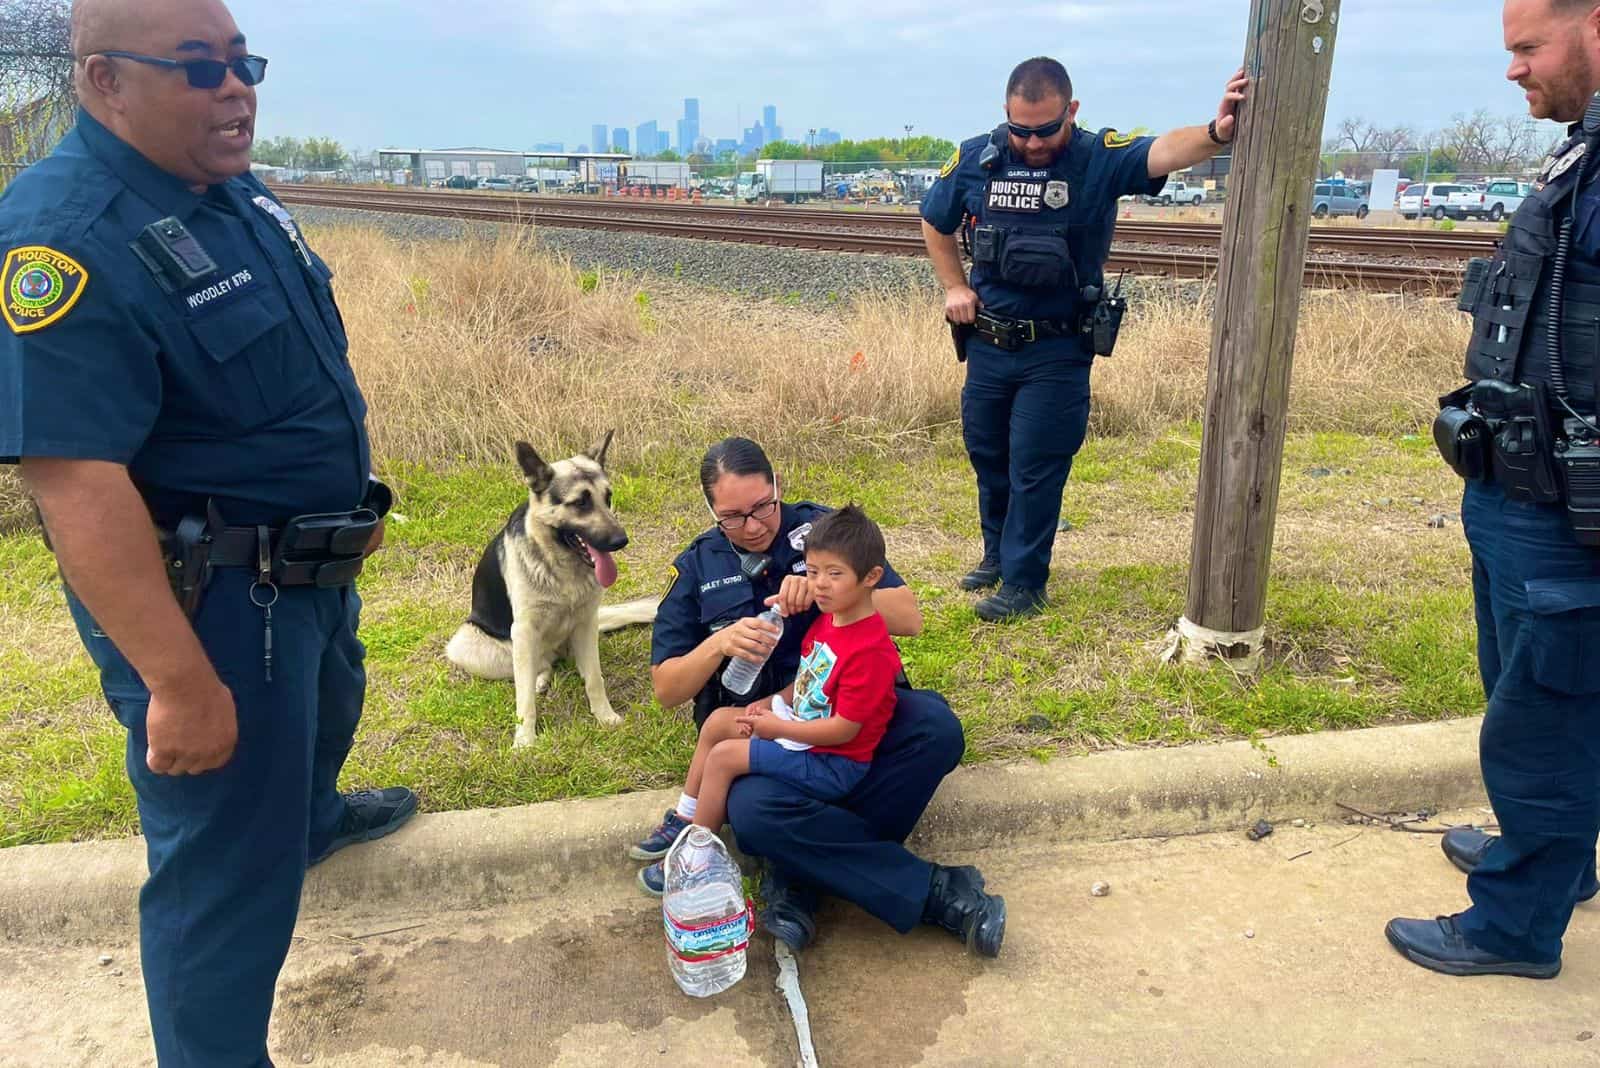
1369,621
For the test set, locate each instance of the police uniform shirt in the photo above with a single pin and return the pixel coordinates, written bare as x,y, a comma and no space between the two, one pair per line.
235,386
1078,194
709,591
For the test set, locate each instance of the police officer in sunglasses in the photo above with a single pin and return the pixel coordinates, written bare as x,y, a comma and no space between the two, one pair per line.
1035,203
175,389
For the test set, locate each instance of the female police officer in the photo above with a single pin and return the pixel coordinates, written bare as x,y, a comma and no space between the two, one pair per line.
754,556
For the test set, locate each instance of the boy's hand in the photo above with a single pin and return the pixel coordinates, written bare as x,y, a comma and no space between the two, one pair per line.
765,704
794,596
760,722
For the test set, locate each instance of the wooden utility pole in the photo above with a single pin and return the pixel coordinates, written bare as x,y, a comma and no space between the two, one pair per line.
1278,141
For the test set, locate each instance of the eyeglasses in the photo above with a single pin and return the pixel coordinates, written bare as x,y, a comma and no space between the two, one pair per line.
761,511
204,73
1043,133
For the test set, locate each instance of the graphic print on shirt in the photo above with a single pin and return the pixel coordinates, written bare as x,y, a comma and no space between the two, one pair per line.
815,669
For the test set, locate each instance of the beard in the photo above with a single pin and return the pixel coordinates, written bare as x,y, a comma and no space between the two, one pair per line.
1565,97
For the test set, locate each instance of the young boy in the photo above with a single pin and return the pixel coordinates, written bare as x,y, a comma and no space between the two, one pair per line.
819,734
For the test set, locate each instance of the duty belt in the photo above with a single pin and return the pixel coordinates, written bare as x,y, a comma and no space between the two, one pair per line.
1012,334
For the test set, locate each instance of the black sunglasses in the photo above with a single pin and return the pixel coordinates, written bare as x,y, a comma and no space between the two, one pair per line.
1043,133
204,73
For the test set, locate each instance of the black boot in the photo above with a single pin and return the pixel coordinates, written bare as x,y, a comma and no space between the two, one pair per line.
986,574
1465,846
1012,602
957,903
790,912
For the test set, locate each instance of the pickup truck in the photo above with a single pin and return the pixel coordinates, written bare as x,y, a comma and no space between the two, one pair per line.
1504,198
1178,193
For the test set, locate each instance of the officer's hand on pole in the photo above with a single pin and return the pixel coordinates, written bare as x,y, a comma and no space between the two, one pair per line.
751,639
961,304
191,730
794,596
1228,111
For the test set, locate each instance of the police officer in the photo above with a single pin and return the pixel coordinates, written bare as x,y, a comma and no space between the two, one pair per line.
1525,431
1036,202
755,556
176,390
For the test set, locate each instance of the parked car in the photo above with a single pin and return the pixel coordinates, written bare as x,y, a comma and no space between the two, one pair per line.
1178,193
1432,198
1503,198
1328,199
499,184
1468,202
461,181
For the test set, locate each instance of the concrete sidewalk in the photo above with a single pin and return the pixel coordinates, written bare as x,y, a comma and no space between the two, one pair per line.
1209,950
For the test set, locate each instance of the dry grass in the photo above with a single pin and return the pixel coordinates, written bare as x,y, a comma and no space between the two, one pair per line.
464,347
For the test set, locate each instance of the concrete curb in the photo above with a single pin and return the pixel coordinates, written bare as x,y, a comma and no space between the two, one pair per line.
461,860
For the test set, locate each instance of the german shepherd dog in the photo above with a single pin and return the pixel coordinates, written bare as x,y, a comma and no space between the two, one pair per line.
538,585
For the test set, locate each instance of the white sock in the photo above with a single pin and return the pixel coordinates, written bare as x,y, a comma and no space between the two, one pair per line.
687,805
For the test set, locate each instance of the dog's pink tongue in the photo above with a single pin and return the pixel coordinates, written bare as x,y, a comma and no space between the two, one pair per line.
605,568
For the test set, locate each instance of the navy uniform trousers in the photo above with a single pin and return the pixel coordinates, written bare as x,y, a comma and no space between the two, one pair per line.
228,849
853,849
1023,416
1537,595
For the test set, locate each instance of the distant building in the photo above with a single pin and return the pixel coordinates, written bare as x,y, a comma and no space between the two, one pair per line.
550,146
646,136
599,137
689,126
619,139
826,136
663,142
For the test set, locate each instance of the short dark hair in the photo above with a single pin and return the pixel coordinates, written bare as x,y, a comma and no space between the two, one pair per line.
851,536
732,456
1036,78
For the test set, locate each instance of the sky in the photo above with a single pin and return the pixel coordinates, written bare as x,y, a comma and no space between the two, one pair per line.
453,73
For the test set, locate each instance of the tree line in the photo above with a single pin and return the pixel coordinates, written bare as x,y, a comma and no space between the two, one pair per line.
1479,143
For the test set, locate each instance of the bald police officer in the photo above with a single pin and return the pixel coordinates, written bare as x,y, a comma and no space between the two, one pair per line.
1530,511
1036,202
174,385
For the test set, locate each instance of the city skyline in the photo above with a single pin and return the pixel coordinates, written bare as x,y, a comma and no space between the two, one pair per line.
862,72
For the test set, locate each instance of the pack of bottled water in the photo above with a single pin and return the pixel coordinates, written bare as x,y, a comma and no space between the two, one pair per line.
708,919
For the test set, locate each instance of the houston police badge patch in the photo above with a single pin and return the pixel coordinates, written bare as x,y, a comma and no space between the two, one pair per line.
951,163
1055,195
1113,139
38,285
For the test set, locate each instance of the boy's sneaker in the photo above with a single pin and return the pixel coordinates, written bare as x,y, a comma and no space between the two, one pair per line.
654,878
655,847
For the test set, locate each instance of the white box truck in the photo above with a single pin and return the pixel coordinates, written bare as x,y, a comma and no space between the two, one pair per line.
656,175
793,180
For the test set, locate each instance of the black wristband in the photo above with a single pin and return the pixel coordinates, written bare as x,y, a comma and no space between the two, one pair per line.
1211,132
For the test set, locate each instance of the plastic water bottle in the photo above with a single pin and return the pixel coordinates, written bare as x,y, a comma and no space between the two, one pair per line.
740,674
707,917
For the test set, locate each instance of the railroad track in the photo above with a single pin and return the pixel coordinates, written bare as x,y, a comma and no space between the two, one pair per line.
1182,250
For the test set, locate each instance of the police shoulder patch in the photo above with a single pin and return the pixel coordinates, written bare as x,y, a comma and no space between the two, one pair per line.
951,163
1113,139
676,575
38,286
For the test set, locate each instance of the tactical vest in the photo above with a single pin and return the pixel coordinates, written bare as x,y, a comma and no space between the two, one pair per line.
1021,235
1512,311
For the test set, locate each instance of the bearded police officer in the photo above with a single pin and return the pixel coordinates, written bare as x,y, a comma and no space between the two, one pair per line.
174,384
1035,202
1525,433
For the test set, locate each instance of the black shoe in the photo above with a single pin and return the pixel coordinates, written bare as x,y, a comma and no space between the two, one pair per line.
368,815
790,912
986,574
957,903
1466,846
1440,945
1012,602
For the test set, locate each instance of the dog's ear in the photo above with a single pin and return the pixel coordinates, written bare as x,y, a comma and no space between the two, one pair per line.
538,473
598,453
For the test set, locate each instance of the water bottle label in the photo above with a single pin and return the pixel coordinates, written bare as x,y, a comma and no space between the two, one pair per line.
696,945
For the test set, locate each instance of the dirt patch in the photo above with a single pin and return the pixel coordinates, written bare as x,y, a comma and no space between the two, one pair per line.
510,1001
